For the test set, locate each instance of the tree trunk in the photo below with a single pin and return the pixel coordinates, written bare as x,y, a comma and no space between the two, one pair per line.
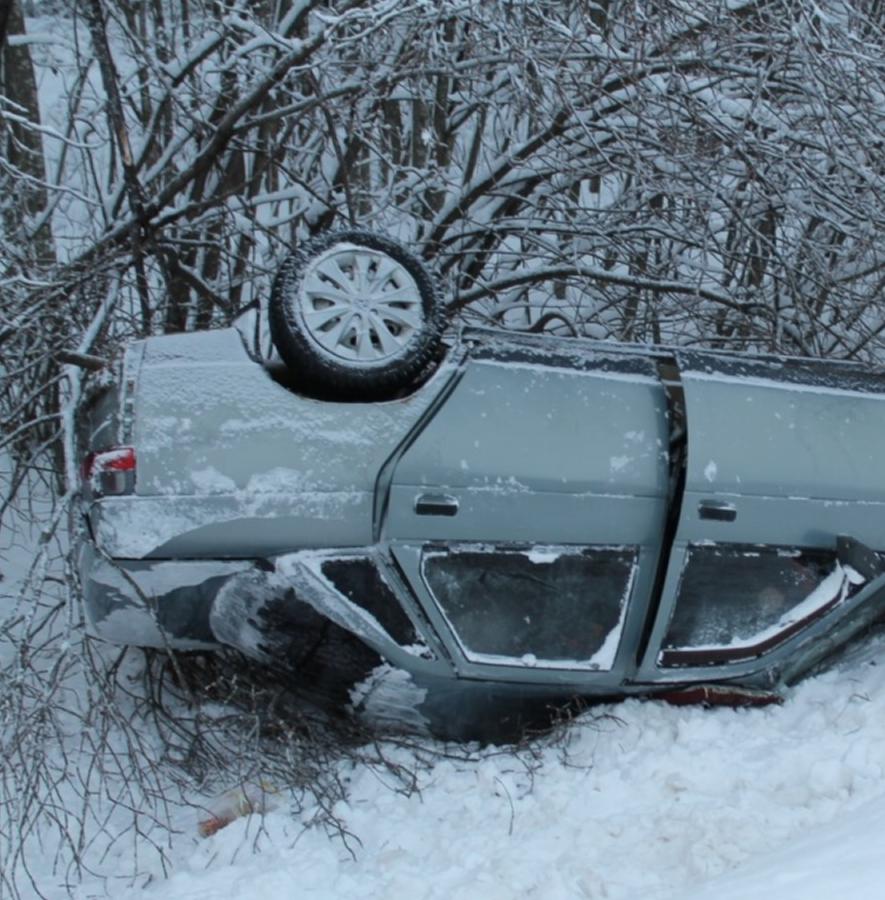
21,144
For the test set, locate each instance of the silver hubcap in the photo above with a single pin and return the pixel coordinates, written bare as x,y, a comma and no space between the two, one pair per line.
359,305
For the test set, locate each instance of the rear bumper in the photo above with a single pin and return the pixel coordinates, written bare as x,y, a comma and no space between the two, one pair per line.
145,603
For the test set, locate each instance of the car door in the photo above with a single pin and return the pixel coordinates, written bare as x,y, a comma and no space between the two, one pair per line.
527,514
783,457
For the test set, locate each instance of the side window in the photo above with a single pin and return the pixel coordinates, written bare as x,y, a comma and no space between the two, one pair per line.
551,607
358,579
736,602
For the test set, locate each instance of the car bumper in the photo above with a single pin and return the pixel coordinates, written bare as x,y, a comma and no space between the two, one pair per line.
163,604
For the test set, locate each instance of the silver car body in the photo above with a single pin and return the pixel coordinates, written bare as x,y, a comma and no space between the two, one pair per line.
540,518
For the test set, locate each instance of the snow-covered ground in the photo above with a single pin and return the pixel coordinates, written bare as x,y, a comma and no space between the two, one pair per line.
649,801
634,800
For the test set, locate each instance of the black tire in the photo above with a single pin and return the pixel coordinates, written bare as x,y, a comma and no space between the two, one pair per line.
355,315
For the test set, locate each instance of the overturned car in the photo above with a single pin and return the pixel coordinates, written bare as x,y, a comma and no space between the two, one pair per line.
455,531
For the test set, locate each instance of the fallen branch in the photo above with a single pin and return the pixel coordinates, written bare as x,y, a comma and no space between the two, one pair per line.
83,360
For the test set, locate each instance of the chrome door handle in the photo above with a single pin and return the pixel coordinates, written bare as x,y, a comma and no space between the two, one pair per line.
436,505
717,510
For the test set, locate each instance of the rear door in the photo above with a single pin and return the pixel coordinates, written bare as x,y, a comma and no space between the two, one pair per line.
527,515
782,458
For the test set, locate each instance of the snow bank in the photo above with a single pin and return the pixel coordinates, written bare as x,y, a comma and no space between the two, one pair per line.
637,800
842,859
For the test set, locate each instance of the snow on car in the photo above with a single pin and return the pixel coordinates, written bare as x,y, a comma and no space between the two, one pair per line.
462,529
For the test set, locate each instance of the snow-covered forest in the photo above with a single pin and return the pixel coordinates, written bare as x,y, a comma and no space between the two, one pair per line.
706,173
695,173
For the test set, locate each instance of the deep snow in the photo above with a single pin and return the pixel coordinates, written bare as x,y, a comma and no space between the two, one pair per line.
636,800
647,801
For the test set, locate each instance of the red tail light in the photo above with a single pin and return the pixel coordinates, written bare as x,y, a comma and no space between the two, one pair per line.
110,471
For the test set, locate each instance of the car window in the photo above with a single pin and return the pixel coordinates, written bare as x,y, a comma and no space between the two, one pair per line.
358,579
737,601
553,607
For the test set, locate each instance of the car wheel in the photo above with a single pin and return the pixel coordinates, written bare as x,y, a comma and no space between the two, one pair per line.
355,314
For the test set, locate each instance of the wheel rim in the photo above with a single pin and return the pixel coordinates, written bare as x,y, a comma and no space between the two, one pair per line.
359,305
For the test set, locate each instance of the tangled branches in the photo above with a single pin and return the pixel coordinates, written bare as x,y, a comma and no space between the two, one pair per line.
110,758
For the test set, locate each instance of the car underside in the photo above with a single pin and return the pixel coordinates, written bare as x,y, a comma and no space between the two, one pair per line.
514,522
